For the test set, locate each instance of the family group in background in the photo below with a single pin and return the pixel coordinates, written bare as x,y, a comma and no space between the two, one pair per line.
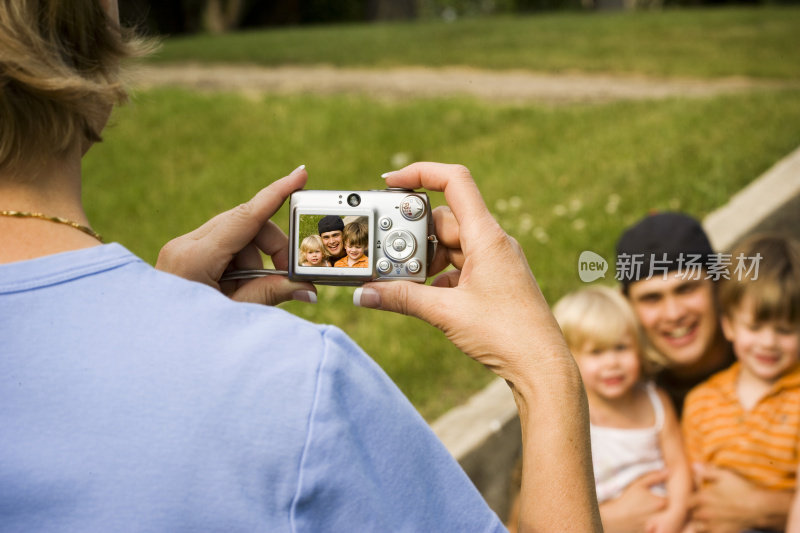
693,382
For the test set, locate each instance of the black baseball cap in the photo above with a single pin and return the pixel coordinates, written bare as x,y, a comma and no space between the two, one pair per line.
668,238
330,223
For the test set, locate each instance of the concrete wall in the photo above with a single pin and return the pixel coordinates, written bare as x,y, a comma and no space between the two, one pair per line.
484,434
770,203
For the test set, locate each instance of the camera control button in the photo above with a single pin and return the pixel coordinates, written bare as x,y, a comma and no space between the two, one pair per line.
413,266
412,208
384,266
385,223
400,245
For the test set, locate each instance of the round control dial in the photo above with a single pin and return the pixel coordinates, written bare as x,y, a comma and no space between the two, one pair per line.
412,208
400,245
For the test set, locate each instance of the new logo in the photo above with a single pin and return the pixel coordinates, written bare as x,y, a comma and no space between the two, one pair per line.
591,266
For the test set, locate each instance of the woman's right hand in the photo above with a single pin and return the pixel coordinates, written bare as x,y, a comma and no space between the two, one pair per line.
491,308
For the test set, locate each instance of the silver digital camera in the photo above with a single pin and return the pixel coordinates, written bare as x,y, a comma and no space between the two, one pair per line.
350,237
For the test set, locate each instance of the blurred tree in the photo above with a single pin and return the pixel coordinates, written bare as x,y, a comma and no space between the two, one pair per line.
220,16
189,16
165,17
325,11
452,9
259,13
391,9
546,5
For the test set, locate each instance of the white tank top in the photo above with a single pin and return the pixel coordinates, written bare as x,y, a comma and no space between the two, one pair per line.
620,456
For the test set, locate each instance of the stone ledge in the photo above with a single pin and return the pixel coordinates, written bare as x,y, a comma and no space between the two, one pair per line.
770,203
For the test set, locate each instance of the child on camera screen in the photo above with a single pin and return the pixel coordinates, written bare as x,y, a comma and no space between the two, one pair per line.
746,419
356,240
634,429
313,252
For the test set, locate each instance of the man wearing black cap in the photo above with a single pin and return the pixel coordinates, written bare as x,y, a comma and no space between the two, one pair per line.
667,269
663,263
330,228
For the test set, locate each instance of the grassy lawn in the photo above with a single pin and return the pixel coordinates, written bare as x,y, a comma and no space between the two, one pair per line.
562,180
757,42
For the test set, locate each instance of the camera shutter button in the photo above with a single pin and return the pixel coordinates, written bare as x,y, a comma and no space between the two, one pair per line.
412,208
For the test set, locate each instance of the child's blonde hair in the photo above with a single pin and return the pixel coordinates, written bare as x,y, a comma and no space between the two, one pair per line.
356,233
770,276
602,316
312,243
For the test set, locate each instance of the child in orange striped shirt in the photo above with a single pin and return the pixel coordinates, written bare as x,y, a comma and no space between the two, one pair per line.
356,240
746,419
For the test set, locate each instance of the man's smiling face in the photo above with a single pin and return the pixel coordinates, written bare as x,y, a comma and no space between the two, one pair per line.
678,315
333,242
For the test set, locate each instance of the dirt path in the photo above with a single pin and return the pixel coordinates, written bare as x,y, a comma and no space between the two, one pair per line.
505,86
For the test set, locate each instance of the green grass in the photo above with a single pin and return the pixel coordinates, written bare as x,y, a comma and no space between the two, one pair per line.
755,41
308,226
561,180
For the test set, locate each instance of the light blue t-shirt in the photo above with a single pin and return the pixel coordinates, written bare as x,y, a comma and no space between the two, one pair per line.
133,400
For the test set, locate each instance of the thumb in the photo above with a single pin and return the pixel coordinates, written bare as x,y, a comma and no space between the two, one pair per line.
404,297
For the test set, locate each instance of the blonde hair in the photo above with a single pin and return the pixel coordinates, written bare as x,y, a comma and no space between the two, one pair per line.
774,286
602,316
59,76
312,243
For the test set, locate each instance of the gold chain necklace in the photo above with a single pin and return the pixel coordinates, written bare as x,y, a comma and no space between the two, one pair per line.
24,214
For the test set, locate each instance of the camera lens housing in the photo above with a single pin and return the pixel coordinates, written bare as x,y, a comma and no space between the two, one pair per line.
353,200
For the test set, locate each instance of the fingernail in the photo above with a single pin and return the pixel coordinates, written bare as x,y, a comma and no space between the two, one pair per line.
387,174
305,296
301,167
366,297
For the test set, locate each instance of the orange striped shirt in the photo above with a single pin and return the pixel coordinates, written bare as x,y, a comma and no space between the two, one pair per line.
760,445
363,262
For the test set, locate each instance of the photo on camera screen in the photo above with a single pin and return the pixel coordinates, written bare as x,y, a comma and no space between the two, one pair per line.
333,241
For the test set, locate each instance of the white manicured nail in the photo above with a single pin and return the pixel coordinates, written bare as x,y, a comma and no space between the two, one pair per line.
305,296
366,297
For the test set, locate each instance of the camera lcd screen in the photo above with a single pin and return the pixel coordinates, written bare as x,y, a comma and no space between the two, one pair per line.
334,244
